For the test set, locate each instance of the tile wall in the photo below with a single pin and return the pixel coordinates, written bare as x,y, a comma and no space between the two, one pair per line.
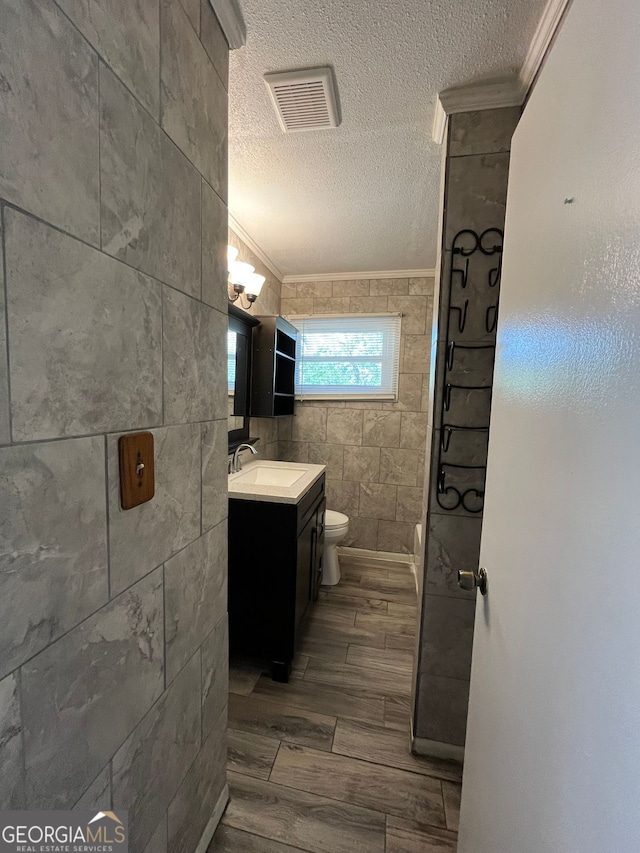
374,451
113,164
476,173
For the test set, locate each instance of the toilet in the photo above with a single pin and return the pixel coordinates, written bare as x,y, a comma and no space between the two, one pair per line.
336,527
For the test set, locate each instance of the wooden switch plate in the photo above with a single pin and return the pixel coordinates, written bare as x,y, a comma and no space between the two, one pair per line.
137,484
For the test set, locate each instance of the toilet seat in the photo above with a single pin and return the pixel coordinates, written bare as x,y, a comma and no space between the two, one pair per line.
333,519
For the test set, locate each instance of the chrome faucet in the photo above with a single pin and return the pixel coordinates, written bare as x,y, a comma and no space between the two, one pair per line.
235,462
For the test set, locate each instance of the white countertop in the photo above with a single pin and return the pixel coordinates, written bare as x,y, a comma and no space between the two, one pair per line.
240,485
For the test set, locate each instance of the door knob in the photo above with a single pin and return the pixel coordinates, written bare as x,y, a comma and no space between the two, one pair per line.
471,580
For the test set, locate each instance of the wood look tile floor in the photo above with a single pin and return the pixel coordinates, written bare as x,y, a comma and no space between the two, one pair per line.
323,764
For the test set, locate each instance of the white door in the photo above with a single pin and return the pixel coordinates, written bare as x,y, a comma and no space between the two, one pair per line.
553,748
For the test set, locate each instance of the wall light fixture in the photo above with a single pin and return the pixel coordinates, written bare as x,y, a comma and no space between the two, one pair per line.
243,278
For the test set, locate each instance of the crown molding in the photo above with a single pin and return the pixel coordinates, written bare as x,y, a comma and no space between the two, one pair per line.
439,122
356,276
248,240
508,91
546,30
230,19
488,95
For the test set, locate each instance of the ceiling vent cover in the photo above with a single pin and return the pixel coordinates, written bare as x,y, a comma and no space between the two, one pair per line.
305,99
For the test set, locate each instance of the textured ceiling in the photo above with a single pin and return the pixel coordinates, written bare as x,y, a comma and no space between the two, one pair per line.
363,196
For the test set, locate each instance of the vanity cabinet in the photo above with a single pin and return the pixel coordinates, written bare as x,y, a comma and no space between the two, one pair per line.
274,368
275,568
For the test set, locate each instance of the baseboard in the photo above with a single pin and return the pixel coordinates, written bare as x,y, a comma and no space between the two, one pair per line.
364,554
214,820
436,749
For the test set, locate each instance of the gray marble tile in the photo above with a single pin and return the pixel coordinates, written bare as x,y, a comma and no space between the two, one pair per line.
441,709
104,372
377,500
85,693
11,749
368,304
310,424
421,286
362,464
98,794
145,536
331,305
195,348
409,394
413,433
343,496
49,149
195,801
388,790
215,675
5,432
414,313
322,289
198,126
214,248
158,841
389,287
398,466
293,451
409,504
214,41
416,354
482,131
215,499
447,636
296,307
381,429
151,764
477,192
453,543
344,426
354,288
195,596
150,193
363,533
192,11
396,537
320,824
331,455
53,543
127,36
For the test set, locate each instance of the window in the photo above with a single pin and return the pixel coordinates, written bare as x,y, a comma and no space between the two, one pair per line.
351,357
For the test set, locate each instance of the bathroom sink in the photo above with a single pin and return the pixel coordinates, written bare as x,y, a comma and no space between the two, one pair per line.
261,475
266,480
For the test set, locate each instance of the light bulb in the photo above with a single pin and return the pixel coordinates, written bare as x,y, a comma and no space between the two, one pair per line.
253,285
232,254
240,273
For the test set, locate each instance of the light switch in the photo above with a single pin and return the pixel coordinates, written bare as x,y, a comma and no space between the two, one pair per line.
137,484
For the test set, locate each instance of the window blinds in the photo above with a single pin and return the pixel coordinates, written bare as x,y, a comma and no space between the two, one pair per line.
352,357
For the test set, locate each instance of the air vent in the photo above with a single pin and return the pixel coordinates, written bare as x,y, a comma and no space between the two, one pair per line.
305,99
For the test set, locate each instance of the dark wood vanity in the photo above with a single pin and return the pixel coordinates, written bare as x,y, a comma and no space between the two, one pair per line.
275,568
